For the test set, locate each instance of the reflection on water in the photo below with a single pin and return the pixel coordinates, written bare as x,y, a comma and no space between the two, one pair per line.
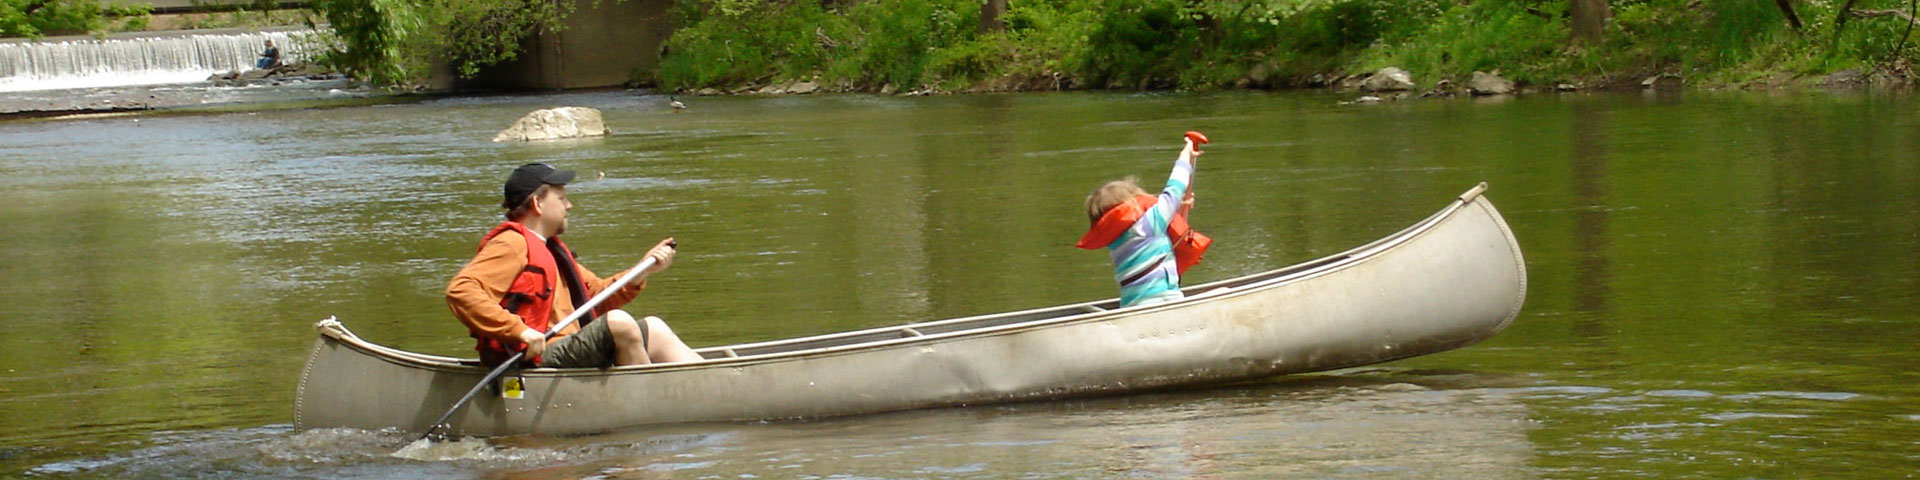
1718,284
1367,425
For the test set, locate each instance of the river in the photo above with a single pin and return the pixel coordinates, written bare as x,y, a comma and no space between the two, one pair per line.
1721,285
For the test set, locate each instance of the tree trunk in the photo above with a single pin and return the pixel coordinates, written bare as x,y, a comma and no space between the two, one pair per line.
990,12
1840,20
1590,20
1786,8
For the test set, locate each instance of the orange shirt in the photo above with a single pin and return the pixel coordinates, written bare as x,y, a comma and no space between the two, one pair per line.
476,292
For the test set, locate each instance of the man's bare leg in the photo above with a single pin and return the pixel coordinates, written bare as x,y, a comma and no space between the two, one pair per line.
658,345
627,348
664,345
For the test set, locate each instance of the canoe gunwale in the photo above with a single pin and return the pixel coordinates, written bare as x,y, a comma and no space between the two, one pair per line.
911,334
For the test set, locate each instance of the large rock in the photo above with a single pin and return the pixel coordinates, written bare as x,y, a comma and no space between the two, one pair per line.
1390,79
555,123
1484,83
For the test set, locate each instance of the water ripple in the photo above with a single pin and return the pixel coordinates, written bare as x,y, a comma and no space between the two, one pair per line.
1827,396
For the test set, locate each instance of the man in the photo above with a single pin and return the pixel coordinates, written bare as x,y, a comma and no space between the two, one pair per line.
524,280
270,58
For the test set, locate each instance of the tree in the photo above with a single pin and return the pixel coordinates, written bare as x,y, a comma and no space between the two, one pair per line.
1589,19
990,12
392,41
374,36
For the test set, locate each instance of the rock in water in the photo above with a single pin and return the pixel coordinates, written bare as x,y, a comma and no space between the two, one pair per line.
1484,83
1390,79
555,123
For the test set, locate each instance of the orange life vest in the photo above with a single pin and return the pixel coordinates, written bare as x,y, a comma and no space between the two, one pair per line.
531,295
1188,245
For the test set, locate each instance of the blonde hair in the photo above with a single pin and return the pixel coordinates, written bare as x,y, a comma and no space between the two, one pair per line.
1111,195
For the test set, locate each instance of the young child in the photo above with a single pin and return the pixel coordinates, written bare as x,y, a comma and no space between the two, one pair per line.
1147,236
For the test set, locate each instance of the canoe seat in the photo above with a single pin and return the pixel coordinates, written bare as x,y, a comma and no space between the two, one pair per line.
1092,309
909,332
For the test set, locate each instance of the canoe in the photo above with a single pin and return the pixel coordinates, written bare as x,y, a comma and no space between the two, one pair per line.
1450,280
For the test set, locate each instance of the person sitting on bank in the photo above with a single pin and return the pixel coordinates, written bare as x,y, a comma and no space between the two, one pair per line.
524,279
269,58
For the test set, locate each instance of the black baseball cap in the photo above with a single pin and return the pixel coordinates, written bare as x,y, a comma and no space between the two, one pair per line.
528,178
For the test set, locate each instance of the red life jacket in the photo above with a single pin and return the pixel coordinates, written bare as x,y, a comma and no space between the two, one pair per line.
531,295
1188,245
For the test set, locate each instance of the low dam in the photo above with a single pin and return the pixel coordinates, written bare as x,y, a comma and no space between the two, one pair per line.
151,58
603,44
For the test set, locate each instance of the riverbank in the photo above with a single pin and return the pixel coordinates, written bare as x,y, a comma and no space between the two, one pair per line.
889,46
1390,83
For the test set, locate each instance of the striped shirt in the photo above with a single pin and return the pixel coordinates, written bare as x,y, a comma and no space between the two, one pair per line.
1143,261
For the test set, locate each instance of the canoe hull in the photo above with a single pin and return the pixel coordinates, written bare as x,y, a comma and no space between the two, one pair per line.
1450,281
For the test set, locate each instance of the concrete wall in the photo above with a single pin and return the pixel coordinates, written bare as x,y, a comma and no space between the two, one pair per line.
613,44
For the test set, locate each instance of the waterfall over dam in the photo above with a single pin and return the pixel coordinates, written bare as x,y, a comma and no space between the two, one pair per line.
177,57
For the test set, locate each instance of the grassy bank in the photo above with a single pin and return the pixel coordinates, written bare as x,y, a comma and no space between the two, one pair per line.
902,45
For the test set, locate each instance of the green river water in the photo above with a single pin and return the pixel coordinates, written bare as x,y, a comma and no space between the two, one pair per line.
1721,285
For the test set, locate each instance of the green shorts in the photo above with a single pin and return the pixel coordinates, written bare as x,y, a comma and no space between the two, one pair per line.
591,347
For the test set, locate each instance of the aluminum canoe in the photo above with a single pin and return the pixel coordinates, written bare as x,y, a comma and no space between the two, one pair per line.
1450,280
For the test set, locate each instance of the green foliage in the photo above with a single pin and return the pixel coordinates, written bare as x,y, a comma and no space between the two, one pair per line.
1135,41
1188,44
1521,38
903,37
392,41
1046,37
1099,43
252,15
880,42
477,33
374,39
34,18
741,42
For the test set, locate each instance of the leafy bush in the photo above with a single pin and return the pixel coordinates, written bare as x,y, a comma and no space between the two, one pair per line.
374,39
901,37
34,18
392,41
872,43
1135,42
1189,44
1512,36
726,43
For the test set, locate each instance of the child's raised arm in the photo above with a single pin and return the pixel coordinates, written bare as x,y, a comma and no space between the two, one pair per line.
1192,152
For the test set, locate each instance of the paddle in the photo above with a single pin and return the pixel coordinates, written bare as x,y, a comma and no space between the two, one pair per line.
1198,139
577,312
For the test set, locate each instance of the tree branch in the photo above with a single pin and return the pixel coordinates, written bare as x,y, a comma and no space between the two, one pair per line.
1883,13
1786,8
34,6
